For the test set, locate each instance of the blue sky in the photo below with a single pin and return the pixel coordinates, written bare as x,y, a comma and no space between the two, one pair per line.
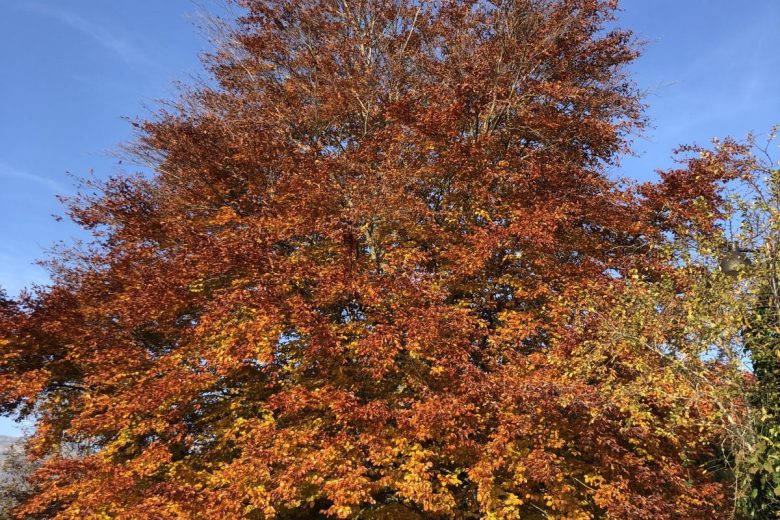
71,69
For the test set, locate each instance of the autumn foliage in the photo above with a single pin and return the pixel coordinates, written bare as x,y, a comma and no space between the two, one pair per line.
382,269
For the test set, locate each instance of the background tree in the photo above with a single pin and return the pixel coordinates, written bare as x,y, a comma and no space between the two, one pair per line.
757,208
15,468
378,271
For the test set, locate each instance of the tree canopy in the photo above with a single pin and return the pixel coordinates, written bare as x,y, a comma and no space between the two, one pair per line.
384,267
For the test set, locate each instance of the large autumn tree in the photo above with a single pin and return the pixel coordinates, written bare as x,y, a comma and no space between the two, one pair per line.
377,272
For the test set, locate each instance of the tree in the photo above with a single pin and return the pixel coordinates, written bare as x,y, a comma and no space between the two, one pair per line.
757,206
376,273
759,474
15,468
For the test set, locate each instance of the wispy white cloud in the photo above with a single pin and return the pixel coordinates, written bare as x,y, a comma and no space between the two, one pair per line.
8,172
128,51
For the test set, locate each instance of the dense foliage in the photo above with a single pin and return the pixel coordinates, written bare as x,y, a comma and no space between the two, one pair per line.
757,206
382,271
